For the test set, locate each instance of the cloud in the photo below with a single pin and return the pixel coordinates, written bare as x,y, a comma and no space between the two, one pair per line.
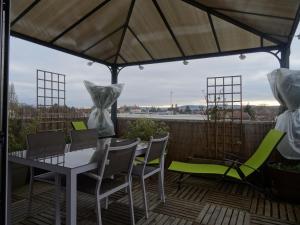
151,86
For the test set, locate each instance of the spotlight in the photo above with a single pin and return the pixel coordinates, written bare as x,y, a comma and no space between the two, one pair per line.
242,56
89,63
141,67
185,62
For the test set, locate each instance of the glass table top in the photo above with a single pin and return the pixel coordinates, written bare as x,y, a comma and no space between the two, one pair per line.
70,159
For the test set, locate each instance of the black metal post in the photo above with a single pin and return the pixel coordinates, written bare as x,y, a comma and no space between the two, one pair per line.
285,57
5,35
114,80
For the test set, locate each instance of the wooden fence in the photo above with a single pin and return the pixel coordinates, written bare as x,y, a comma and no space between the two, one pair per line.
189,139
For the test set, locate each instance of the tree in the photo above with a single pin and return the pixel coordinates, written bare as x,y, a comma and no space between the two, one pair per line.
249,109
12,99
187,110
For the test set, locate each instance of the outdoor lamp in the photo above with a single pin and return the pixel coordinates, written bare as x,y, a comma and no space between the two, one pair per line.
185,62
242,56
89,63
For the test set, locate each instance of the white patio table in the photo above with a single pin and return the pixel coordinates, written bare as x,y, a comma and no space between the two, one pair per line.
69,164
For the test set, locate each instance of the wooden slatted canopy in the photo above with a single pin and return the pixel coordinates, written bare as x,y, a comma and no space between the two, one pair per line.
133,32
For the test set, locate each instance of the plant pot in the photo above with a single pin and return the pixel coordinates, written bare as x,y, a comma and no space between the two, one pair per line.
285,184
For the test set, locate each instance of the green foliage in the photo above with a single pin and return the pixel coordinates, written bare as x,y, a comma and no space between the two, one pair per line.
286,167
17,131
145,128
251,112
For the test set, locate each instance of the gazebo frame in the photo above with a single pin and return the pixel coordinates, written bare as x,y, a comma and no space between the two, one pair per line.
281,51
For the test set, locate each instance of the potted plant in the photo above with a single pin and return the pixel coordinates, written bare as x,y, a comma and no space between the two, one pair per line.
285,179
144,128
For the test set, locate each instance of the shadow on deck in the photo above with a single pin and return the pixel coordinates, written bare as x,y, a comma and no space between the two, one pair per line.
200,201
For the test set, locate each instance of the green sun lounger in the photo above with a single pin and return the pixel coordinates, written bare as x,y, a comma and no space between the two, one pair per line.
78,125
236,170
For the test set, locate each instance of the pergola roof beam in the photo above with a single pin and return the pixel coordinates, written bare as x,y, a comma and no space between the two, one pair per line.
79,21
252,13
214,32
56,47
125,29
25,12
207,55
141,43
232,21
102,39
122,58
295,25
168,26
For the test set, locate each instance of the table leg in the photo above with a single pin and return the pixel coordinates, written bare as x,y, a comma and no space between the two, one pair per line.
57,199
9,193
71,201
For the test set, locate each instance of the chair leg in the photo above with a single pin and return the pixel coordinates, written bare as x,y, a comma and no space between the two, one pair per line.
30,193
57,199
106,203
145,197
162,188
131,203
99,220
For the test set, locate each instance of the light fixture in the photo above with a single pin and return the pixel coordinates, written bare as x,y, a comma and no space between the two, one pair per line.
185,62
141,67
89,63
298,36
242,56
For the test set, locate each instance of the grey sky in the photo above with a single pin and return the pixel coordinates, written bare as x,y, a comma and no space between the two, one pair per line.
150,86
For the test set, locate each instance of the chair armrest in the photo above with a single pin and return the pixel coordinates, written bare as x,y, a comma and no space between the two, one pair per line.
93,176
236,162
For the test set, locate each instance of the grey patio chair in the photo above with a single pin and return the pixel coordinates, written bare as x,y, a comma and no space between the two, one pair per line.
44,145
81,139
143,170
117,161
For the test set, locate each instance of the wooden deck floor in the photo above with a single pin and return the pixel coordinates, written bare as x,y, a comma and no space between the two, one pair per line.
200,201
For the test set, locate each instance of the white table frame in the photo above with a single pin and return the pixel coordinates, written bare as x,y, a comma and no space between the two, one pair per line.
71,183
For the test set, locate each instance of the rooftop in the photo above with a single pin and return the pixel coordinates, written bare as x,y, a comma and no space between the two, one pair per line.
199,201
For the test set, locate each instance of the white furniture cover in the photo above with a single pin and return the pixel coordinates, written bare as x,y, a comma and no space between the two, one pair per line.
285,85
103,98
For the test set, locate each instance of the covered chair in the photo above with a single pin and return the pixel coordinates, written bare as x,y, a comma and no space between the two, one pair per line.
81,139
116,161
237,170
44,145
146,168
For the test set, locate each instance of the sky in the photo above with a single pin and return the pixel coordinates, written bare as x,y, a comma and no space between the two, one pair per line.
148,87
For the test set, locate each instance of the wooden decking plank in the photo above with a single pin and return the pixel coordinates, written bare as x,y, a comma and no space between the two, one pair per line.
221,216
233,218
215,215
200,201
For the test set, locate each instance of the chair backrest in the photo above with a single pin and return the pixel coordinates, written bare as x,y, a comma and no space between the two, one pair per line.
44,144
118,158
157,147
81,139
78,125
264,150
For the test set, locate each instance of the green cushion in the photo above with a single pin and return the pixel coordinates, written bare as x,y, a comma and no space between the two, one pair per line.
79,125
202,169
253,163
155,161
263,152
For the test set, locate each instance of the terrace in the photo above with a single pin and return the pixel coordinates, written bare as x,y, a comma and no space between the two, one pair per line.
118,34
199,201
